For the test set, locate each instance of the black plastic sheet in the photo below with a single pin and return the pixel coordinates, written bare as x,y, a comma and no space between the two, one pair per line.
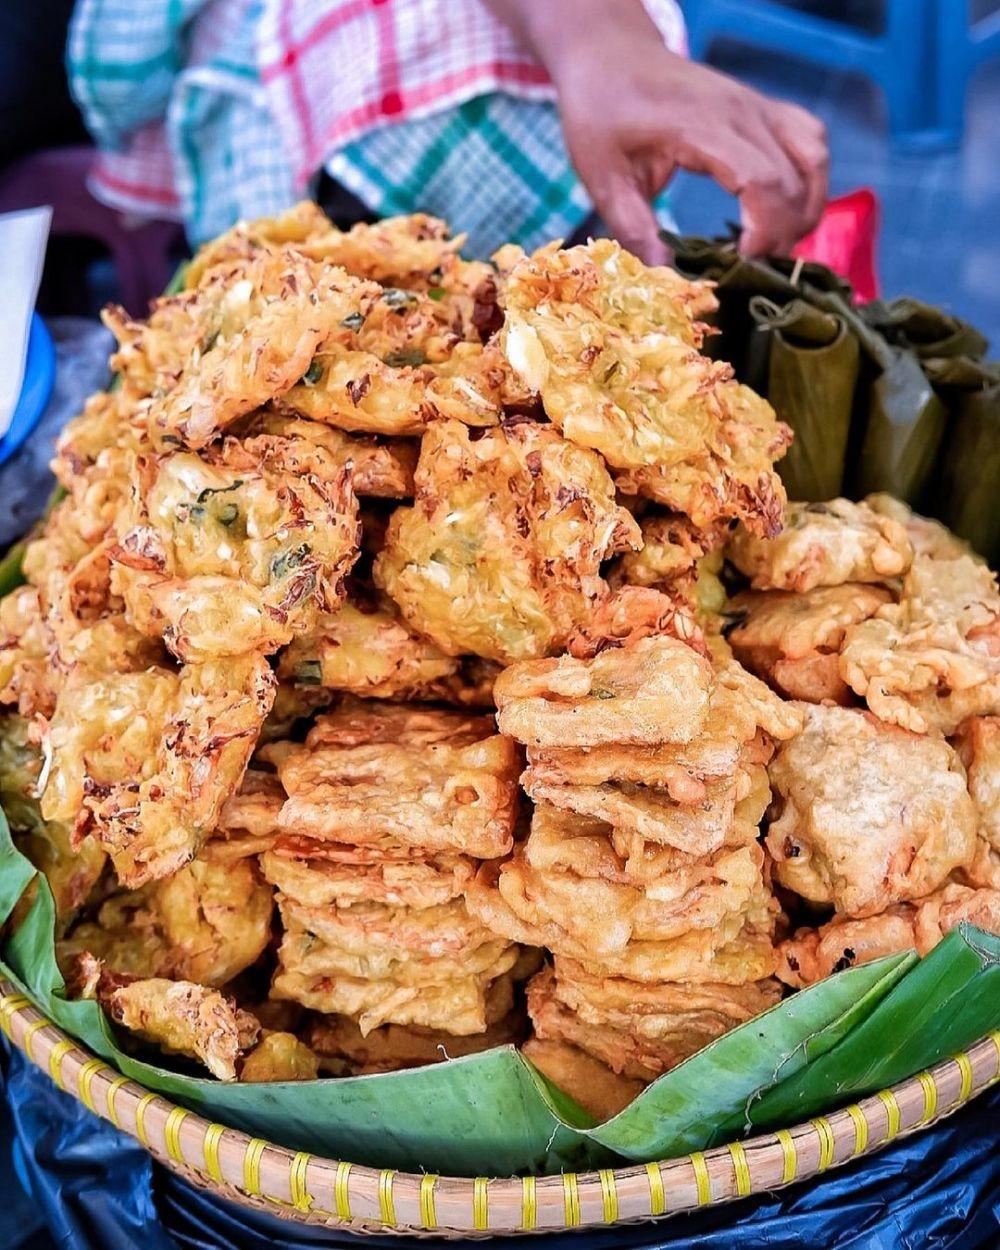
94,1188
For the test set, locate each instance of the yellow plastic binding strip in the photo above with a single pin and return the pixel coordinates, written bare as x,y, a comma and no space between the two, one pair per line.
301,1197
480,1204
529,1204
172,1134
571,1200
10,1005
210,1149
342,1191
741,1169
140,1118
790,1160
702,1180
85,1081
251,1166
888,1100
657,1199
59,1052
428,1214
860,1128
609,1195
929,1087
29,1036
113,1089
964,1066
386,1202
826,1143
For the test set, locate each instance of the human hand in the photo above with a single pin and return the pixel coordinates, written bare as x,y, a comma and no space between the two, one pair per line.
633,112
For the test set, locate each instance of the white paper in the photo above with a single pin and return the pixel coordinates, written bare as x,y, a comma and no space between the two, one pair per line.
23,237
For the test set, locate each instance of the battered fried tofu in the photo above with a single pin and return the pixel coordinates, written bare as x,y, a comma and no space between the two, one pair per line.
145,761
185,1019
500,555
207,923
321,874
279,1057
793,640
441,783
586,1080
978,744
639,1031
342,1046
275,335
235,550
824,544
611,347
570,872
248,821
654,691
737,952
870,815
932,659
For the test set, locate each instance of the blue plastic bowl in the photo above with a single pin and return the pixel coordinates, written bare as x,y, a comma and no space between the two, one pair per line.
39,378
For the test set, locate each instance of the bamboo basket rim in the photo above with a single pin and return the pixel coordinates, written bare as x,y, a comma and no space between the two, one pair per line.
308,1188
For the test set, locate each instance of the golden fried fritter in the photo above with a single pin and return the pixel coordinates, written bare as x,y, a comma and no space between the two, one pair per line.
446,795
932,659
356,723
279,1057
500,555
249,818
185,1019
928,537
824,544
634,612
870,815
738,951
236,549
639,1031
793,640
813,954
321,874
207,923
586,1080
611,347
654,691
978,745
145,761
26,681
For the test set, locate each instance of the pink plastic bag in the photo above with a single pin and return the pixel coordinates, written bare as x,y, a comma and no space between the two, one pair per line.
845,238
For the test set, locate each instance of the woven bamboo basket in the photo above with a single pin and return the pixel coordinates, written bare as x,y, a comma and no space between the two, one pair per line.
309,1189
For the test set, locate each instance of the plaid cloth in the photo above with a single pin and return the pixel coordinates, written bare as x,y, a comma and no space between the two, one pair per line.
210,110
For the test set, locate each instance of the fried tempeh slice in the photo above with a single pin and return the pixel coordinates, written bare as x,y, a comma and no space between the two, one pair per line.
793,640
870,815
185,1019
824,544
932,659
651,692
236,549
639,1031
500,555
443,782
144,761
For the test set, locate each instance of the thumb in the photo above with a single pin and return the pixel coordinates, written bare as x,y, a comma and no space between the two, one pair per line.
614,186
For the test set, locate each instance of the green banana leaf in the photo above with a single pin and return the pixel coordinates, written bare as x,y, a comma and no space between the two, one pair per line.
806,361
493,1113
966,491
929,331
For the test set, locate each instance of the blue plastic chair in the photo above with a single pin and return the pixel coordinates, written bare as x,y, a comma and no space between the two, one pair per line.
922,58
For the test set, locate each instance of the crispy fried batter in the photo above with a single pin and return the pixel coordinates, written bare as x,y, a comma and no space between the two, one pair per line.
586,1080
929,538
639,1031
870,815
611,347
651,692
279,1057
431,779
145,761
236,549
978,745
933,659
25,678
321,874
185,1019
824,544
500,555
793,640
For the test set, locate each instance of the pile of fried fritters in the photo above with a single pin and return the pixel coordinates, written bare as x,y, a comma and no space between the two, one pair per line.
375,678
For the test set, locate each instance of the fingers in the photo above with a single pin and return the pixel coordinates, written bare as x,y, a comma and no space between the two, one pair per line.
617,187
803,136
